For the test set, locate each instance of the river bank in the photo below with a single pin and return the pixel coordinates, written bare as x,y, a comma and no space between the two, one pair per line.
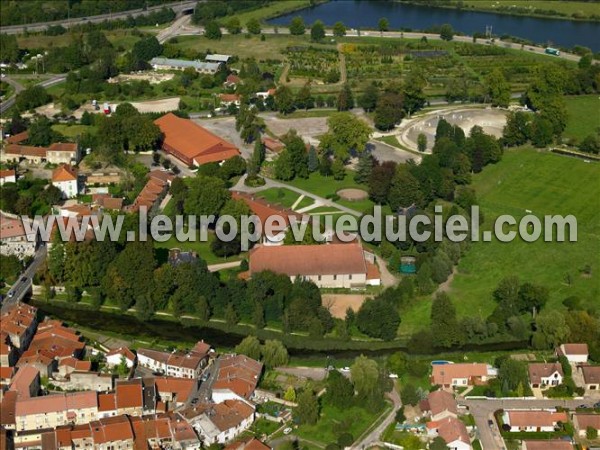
169,331
569,11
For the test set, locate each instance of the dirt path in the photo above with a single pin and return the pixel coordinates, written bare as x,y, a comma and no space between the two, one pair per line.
445,286
284,74
343,72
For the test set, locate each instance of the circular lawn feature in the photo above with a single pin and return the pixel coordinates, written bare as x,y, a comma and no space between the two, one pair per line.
353,194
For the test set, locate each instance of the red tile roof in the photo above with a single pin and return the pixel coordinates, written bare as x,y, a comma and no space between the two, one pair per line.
450,429
10,227
57,402
440,401
574,349
191,142
63,147
444,374
7,408
273,144
6,373
539,370
248,444
107,402
325,259
547,445
130,394
22,381
587,420
533,418
111,429
229,98
123,351
64,172
179,388
263,209
591,374
239,374
8,173
18,138
25,150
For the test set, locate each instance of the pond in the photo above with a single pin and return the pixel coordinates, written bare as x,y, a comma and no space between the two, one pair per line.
366,14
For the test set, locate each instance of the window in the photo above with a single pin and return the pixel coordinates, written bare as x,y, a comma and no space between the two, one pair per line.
319,277
350,276
334,277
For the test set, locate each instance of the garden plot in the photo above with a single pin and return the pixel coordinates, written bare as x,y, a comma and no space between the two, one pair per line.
314,63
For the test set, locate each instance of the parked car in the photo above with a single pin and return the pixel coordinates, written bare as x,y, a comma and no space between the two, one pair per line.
287,430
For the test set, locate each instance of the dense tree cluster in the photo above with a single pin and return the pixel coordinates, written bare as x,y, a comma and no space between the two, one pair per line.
29,197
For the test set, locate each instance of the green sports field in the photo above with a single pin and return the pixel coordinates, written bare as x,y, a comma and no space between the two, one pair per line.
584,116
544,183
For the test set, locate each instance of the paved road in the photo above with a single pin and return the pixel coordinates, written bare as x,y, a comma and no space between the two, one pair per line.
373,437
177,7
182,28
483,410
19,87
20,288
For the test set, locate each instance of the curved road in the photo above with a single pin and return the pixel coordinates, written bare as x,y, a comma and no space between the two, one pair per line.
19,87
177,7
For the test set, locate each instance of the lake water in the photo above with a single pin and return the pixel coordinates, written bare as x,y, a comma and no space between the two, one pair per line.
366,14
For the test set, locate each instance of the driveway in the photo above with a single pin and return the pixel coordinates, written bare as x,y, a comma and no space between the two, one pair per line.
372,438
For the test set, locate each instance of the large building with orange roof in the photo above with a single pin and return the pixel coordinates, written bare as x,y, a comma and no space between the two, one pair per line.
326,265
191,143
19,324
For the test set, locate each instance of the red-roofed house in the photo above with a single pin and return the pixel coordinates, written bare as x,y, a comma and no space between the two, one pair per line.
8,355
8,176
452,431
230,99
64,177
326,265
191,143
583,421
173,391
51,411
232,81
117,355
441,404
42,360
575,353
236,378
129,397
19,324
463,374
26,382
220,423
542,375
547,445
591,377
176,364
534,420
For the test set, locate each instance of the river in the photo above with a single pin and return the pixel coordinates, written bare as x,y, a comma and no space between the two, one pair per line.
366,14
127,325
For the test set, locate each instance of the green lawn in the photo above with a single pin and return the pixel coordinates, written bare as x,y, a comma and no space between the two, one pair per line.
273,10
334,422
202,248
568,7
73,131
324,186
584,116
544,183
273,47
280,196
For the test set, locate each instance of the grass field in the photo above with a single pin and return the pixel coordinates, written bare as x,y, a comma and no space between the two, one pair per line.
570,7
544,183
584,116
273,10
119,38
73,131
334,422
280,196
273,47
